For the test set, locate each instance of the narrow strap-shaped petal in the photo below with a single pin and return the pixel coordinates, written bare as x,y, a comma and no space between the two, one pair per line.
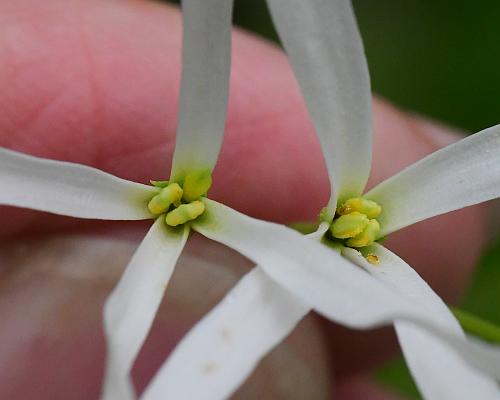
225,346
462,174
69,189
326,52
206,58
439,372
331,284
217,355
314,273
130,309
438,369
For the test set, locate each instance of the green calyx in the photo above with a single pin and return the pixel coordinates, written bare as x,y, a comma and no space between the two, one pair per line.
181,201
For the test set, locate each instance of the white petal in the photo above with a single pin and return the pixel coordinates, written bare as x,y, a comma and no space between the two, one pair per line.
206,58
319,276
131,307
326,52
399,275
216,356
69,189
462,174
320,232
329,283
439,370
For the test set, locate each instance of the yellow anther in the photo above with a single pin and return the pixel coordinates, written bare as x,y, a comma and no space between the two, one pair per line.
167,196
373,259
196,184
366,237
348,226
185,213
359,204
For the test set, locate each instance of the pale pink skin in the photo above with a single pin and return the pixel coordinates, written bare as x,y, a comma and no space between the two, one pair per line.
96,82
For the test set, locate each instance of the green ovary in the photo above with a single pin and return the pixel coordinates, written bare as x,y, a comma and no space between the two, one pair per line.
179,202
355,222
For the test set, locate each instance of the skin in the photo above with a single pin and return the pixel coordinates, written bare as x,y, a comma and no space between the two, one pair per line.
96,82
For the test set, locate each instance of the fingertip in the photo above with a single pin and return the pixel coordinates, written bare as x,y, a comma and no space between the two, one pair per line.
402,138
362,388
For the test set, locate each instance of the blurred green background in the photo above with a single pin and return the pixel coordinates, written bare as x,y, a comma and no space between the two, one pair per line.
438,58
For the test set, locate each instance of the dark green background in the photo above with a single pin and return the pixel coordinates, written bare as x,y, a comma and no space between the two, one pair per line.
439,58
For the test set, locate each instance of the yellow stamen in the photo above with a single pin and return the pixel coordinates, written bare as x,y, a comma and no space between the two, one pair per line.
348,226
373,259
196,184
366,237
359,204
167,196
185,213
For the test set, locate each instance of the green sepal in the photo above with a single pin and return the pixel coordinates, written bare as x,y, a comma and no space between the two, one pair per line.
160,184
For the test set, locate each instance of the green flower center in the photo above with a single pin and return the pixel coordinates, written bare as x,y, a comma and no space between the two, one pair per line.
355,224
180,202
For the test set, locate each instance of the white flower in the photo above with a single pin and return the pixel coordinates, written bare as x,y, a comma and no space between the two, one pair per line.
323,44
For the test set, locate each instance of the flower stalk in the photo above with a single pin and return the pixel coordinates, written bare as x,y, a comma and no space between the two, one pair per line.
477,326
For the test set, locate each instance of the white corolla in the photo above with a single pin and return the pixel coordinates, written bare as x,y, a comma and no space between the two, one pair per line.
325,50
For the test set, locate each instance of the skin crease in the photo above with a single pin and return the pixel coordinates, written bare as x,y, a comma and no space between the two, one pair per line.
96,82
